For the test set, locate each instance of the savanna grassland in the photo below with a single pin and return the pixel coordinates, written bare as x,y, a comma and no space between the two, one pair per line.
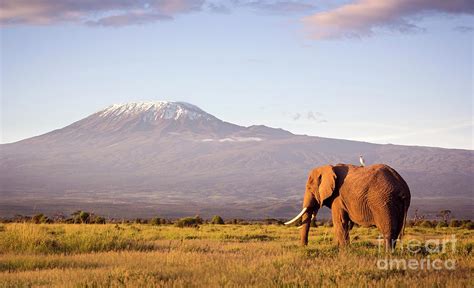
142,255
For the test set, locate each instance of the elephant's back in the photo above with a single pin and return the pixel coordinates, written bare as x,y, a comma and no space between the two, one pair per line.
371,189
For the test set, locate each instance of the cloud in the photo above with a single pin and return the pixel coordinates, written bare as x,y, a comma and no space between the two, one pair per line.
315,116
463,29
361,18
309,116
219,8
90,12
296,116
278,7
134,18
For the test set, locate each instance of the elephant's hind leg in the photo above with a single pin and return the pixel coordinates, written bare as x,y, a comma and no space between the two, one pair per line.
390,229
340,220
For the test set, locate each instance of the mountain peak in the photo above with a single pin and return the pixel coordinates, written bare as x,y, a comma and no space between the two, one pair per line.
155,110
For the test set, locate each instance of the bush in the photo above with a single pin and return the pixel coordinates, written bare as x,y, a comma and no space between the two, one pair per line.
455,223
216,219
441,224
468,225
140,221
81,216
328,223
39,218
189,222
84,217
426,224
98,220
155,221
410,223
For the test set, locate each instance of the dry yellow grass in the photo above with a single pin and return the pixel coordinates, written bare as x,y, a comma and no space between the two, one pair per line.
214,256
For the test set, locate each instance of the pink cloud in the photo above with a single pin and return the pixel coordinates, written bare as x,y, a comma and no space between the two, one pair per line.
91,12
360,18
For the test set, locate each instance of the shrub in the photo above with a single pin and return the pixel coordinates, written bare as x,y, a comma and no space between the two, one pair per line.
271,221
216,219
98,220
39,218
155,221
455,223
140,221
468,225
441,224
84,217
189,222
328,223
410,223
426,224
81,216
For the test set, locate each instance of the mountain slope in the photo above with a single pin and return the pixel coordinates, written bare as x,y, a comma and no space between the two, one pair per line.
173,158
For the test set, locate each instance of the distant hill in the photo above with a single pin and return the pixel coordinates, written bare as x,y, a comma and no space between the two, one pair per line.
173,159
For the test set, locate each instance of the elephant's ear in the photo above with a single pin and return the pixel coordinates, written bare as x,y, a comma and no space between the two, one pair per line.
327,183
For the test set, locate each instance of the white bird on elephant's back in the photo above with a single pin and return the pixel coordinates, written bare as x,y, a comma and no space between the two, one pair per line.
361,160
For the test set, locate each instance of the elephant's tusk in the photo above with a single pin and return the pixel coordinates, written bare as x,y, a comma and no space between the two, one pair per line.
299,227
297,216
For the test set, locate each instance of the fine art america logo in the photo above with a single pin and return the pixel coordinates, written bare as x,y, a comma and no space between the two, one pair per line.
431,251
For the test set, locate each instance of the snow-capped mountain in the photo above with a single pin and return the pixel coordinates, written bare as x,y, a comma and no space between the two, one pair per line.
155,110
155,117
174,159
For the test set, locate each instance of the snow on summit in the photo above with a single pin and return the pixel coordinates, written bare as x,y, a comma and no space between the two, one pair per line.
154,110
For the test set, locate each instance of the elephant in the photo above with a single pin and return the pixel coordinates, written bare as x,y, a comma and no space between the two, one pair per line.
371,195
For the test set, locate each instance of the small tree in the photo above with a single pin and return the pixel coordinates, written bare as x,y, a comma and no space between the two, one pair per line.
444,214
39,218
426,224
189,222
84,217
441,224
155,221
468,225
455,223
81,216
98,220
140,221
328,223
59,217
217,220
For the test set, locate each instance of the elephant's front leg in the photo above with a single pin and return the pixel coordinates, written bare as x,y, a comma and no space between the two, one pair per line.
340,220
305,224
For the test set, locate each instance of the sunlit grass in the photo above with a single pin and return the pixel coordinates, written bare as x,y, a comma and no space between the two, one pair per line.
214,256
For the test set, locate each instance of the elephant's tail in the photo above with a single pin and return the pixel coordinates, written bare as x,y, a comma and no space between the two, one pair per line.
402,231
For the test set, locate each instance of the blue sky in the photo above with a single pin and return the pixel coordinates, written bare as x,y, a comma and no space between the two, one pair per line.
399,74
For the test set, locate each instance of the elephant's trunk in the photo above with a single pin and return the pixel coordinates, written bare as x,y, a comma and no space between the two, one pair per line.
306,223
